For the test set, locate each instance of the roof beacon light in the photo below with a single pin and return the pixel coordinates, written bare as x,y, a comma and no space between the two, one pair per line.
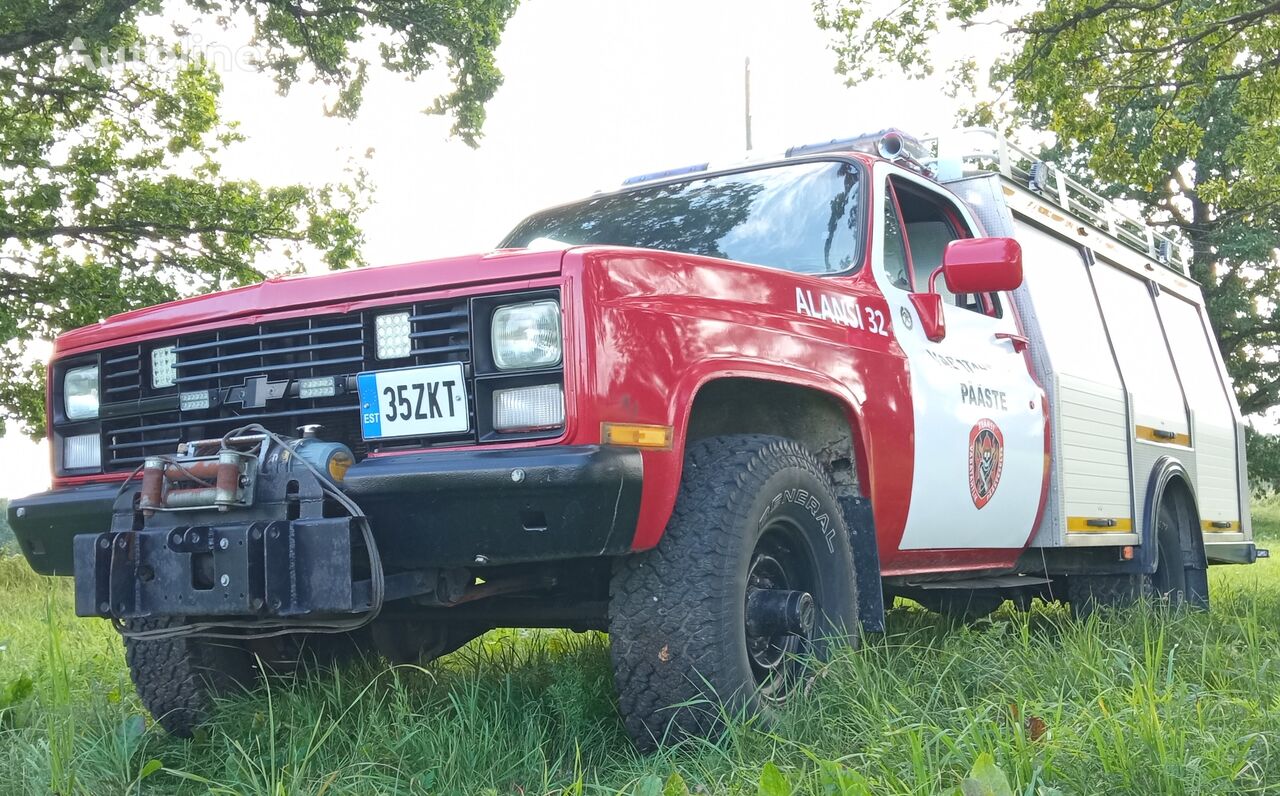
890,144
659,175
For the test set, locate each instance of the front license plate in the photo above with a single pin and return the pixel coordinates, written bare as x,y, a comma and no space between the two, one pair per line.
413,402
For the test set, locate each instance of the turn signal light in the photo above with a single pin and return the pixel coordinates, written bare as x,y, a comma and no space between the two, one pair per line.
636,435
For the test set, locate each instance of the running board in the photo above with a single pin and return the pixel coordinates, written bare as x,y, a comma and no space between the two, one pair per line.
987,582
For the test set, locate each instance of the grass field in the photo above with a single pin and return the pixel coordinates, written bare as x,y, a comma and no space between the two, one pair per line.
1142,703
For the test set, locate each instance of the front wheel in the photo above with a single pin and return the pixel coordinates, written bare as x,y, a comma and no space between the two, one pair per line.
753,577
179,678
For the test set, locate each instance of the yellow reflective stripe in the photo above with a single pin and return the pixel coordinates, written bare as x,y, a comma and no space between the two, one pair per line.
1168,438
1220,526
1099,524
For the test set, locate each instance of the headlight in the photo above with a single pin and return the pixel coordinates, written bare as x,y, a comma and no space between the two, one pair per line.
82,452
527,335
528,408
80,392
392,335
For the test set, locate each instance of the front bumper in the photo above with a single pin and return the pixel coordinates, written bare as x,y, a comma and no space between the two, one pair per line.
441,509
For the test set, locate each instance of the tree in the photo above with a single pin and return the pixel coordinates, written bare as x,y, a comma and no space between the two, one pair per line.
1172,103
111,195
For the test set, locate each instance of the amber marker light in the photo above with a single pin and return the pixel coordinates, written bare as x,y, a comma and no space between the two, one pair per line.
1126,552
636,435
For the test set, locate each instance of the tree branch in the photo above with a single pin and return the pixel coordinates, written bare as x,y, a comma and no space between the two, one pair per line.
63,24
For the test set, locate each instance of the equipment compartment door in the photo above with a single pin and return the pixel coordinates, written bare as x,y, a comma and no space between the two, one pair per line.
979,443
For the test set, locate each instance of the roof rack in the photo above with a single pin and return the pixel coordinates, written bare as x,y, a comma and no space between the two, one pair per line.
983,148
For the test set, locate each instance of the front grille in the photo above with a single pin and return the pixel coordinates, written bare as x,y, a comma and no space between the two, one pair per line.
122,375
139,420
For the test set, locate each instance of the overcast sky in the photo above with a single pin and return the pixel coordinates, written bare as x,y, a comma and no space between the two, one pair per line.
596,90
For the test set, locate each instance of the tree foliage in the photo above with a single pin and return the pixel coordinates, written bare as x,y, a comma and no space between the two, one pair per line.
1172,103
111,135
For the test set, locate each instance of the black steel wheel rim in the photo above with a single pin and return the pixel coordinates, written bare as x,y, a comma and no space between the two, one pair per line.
779,561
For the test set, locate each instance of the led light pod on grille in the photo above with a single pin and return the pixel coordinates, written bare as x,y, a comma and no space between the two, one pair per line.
191,401
391,333
318,387
164,371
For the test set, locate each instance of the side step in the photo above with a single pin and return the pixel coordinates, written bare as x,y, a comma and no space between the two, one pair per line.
985,582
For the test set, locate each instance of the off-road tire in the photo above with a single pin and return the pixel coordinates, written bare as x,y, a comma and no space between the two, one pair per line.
1089,593
178,679
1180,577
677,612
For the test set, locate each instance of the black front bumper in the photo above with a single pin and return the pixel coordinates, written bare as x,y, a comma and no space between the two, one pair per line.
442,509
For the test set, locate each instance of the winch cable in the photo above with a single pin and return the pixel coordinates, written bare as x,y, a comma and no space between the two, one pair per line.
246,629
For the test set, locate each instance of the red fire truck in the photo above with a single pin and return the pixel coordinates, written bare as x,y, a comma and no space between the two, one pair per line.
722,413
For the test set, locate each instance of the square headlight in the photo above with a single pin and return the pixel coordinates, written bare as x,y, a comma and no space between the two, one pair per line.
82,452
80,392
527,335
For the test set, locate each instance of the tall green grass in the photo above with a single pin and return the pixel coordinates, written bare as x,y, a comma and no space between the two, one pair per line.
1148,702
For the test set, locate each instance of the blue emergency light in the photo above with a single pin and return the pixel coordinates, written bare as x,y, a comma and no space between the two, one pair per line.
658,175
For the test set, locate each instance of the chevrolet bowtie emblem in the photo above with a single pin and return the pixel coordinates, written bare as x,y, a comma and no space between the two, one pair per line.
257,391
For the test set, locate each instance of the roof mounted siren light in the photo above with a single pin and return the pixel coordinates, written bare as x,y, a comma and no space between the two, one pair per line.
890,144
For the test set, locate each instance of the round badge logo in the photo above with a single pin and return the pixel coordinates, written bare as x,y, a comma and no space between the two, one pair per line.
907,320
986,461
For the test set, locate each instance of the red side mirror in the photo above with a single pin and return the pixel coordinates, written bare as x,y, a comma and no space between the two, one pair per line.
982,265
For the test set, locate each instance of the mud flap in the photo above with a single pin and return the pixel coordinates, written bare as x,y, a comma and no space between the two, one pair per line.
866,561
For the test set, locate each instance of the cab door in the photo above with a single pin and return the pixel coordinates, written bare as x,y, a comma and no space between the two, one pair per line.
979,417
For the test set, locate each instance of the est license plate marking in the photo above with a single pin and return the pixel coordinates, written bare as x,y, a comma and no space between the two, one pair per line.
413,402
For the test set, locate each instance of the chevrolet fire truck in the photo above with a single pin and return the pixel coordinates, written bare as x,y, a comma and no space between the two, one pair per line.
723,413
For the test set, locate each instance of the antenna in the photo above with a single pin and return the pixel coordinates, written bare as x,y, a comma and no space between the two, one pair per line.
746,83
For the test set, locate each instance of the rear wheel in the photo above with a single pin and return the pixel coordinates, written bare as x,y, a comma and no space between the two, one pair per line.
753,576
178,679
1089,593
1180,577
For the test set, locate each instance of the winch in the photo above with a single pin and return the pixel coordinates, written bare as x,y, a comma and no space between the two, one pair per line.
249,525
222,473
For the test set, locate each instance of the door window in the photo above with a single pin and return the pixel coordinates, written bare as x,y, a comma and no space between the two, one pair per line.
896,264
929,224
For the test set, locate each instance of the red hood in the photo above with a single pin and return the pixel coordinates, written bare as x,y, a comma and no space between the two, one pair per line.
335,292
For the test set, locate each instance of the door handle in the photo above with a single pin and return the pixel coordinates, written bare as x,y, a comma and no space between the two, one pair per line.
1020,343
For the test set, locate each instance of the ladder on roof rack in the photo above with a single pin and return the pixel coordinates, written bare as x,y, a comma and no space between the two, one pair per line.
1064,191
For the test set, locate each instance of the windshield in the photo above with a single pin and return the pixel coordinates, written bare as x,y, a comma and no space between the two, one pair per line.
802,217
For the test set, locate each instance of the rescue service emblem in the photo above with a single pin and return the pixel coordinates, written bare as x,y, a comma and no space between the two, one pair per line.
986,461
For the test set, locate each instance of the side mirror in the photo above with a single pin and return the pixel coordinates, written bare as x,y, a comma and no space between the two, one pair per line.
982,265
